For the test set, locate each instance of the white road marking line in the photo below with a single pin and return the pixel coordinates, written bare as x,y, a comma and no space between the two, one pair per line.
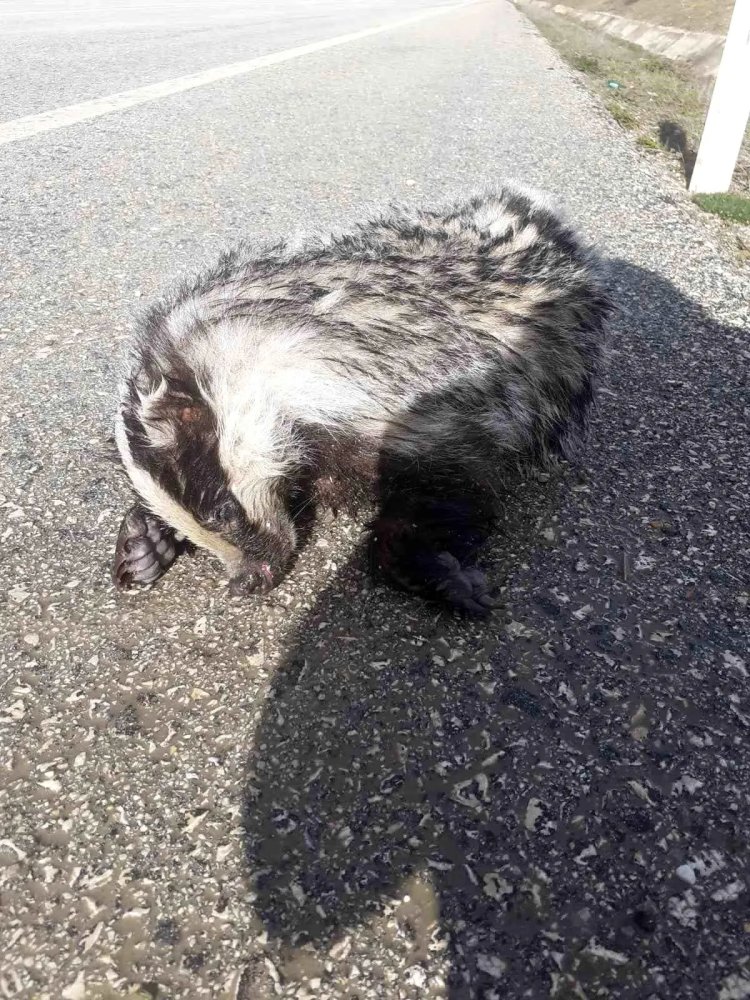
66,11
47,121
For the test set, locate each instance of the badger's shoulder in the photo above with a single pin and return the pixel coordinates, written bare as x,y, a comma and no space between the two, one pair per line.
521,226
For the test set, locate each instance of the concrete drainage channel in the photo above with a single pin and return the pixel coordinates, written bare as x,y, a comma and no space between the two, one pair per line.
701,49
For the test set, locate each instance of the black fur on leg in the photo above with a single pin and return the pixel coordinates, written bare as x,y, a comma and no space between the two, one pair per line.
426,545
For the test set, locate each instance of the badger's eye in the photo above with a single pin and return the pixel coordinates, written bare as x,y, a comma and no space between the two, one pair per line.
224,513
227,513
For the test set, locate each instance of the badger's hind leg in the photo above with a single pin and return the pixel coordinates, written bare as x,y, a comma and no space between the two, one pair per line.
427,545
146,547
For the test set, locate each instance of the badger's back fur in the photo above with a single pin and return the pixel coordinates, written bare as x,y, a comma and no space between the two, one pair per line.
414,357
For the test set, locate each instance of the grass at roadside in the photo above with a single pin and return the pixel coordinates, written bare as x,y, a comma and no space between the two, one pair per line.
659,100
732,207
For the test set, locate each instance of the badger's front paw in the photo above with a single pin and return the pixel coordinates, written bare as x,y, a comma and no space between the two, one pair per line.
144,551
251,578
463,587
405,553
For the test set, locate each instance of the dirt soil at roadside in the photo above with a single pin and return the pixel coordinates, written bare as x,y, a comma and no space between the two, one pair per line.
692,15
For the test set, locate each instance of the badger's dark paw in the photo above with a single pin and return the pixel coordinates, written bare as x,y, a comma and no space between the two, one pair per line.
434,573
146,548
463,587
252,578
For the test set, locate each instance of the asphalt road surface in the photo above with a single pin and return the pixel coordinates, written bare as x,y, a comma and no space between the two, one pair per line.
336,791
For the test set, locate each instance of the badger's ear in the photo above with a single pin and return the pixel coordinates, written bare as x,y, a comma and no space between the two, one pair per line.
171,401
192,413
182,402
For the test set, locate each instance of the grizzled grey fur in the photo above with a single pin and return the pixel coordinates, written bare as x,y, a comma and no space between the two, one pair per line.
410,362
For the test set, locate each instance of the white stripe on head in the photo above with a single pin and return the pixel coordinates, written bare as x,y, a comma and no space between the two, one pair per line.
168,509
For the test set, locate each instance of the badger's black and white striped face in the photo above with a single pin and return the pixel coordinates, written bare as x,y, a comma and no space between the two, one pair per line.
168,439
168,442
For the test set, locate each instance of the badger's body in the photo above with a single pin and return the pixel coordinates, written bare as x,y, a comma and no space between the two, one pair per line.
411,360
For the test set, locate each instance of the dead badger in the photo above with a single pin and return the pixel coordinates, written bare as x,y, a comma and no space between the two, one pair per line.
412,360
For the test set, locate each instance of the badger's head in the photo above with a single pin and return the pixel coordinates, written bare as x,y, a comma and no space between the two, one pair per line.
171,444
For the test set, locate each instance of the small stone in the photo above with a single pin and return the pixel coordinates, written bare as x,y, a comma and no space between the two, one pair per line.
496,887
588,852
606,954
533,811
492,965
518,630
641,791
416,976
684,909
31,639
729,892
76,990
735,987
273,972
17,710
686,784
18,594
686,873
339,951
735,663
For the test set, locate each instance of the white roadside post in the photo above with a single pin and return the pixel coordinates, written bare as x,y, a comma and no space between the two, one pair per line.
728,111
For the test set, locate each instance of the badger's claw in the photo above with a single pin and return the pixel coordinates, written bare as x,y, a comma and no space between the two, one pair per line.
464,587
146,548
435,573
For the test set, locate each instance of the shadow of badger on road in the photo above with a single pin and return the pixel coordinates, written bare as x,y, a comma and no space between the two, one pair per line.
535,783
